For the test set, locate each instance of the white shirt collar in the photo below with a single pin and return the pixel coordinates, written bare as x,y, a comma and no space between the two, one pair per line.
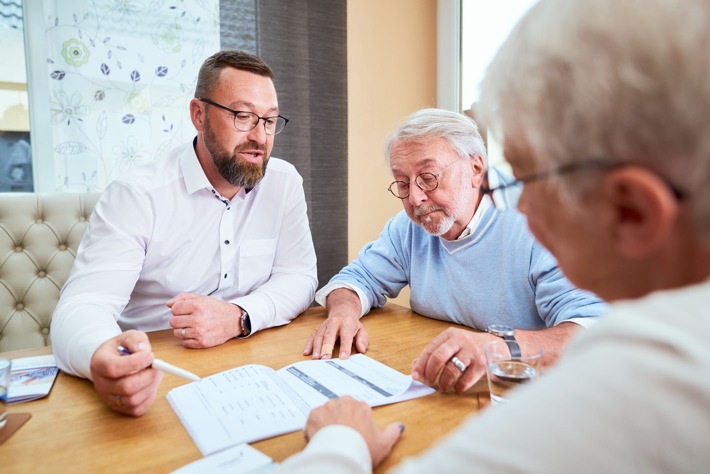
477,216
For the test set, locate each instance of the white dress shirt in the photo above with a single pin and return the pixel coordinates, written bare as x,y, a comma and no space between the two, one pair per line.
164,230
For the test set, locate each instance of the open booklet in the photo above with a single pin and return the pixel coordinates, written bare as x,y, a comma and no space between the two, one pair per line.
31,378
255,402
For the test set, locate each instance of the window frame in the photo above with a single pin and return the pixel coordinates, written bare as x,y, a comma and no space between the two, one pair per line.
38,96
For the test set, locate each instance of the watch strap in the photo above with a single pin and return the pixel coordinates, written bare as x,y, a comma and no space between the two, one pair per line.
507,333
513,346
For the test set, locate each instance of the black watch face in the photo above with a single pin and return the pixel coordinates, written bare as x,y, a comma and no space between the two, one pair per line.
247,323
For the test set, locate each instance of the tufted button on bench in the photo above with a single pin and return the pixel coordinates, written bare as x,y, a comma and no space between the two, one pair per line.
39,235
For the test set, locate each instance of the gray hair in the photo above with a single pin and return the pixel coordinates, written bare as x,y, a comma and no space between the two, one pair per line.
426,124
621,80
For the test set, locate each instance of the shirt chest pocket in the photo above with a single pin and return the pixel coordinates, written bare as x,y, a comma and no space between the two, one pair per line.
255,263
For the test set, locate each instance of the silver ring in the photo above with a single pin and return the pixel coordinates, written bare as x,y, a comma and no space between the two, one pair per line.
182,332
119,401
459,365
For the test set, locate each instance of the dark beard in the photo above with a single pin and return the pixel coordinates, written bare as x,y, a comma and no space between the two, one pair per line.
237,172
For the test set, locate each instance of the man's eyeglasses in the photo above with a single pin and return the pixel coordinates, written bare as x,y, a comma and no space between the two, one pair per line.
505,196
426,182
246,121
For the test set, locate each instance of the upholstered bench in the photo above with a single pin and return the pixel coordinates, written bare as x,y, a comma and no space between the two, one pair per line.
39,235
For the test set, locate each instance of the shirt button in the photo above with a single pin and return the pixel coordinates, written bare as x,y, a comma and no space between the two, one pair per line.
226,242
225,275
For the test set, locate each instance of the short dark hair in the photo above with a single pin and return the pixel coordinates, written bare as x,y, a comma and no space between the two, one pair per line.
210,69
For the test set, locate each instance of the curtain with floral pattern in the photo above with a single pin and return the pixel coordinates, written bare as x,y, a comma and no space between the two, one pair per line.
122,73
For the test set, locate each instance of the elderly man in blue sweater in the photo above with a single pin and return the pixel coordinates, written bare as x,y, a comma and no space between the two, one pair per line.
464,262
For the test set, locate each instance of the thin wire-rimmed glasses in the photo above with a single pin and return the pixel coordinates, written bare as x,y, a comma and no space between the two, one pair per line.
426,181
245,121
505,196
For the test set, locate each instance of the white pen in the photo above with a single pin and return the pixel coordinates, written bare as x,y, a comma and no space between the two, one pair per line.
165,367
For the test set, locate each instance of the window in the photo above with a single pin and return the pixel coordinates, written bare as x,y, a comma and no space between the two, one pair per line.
15,150
470,33
484,27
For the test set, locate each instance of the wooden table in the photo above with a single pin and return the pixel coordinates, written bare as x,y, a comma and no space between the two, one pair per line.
73,431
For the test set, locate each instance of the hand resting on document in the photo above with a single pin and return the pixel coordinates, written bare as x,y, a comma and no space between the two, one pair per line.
357,415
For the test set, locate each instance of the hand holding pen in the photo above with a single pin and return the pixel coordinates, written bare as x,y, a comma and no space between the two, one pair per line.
165,367
122,381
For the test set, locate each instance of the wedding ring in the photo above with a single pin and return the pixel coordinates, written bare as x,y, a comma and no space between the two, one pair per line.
119,402
182,333
459,365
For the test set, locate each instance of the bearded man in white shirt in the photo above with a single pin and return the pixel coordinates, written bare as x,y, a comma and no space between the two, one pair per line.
211,240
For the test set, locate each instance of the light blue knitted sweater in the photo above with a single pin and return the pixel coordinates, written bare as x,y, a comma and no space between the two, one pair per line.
497,275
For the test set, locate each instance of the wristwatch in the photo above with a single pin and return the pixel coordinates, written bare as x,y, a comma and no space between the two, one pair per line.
507,333
245,324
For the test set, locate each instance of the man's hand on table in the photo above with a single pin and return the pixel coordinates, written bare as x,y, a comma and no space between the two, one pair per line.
343,323
126,383
201,321
435,360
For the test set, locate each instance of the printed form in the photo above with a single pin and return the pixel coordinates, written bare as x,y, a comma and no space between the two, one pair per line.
255,402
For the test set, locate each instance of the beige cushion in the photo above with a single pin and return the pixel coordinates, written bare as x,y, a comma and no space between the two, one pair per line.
39,235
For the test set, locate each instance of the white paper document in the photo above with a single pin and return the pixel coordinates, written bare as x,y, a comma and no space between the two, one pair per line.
255,402
240,459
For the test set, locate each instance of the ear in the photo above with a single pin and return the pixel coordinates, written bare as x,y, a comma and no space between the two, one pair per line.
197,114
477,170
643,210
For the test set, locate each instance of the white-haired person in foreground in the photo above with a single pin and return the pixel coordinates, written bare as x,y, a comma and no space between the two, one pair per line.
602,108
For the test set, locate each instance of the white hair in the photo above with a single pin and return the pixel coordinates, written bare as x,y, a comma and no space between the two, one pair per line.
621,80
426,124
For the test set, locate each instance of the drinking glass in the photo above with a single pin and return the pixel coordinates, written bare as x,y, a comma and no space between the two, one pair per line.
506,372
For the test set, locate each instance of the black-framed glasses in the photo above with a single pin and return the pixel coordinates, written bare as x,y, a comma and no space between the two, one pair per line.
426,182
245,121
505,195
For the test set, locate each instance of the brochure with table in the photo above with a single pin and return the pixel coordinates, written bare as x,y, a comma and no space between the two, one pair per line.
254,402
31,378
